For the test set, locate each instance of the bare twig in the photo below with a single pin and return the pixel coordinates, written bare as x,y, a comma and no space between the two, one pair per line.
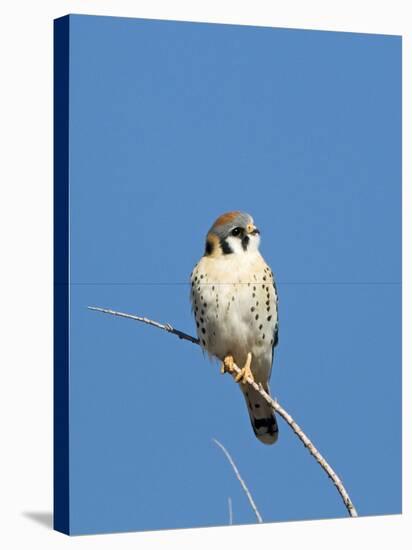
229,503
166,327
272,402
242,483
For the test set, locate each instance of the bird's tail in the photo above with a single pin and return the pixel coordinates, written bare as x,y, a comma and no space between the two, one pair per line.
261,415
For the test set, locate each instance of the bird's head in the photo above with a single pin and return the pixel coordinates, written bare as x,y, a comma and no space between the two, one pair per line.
232,233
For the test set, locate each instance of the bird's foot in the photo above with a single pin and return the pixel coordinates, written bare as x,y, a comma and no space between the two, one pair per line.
246,372
227,364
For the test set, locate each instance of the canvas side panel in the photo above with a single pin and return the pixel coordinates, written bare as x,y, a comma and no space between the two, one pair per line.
61,278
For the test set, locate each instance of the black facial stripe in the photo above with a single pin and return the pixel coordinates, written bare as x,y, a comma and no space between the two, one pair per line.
209,248
225,246
245,242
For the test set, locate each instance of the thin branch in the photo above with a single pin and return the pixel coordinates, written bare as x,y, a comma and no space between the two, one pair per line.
272,402
166,327
229,503
243,484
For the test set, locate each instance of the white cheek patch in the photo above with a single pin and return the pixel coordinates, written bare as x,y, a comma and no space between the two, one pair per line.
235,244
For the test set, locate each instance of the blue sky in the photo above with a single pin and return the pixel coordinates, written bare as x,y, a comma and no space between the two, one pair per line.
172,124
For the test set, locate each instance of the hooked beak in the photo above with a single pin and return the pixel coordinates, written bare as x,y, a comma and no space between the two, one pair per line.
252,229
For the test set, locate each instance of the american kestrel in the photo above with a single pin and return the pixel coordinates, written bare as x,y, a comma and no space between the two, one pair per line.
234,300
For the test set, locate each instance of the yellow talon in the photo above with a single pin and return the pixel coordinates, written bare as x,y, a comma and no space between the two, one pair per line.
246,372
227,364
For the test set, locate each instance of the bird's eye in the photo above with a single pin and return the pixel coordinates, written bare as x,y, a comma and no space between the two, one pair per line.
236,231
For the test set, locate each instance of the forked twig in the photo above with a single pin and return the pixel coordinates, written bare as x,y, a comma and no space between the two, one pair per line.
242,483
273,403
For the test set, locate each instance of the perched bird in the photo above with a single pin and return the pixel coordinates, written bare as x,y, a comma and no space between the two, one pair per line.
234,301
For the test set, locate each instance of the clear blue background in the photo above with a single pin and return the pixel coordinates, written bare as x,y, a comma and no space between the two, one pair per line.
172,124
